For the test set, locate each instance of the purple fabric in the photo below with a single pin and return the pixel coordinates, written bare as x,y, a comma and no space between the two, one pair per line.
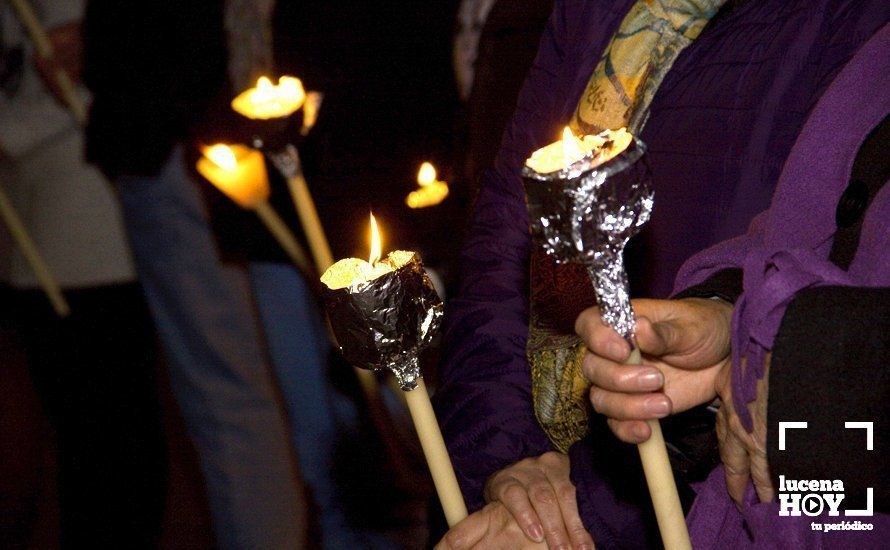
785,251
720,128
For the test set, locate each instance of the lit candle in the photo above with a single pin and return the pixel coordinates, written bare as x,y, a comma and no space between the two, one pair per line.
270,104
240,173
584,208
571,149
431,191
267,101
384,312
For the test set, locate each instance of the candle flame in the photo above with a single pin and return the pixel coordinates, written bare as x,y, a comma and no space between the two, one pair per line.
567,135
264,83
571,146
375,243
426,175
268,100
222,156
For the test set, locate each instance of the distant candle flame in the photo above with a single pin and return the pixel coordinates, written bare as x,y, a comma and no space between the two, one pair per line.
426,175
375,243
222,156
267,100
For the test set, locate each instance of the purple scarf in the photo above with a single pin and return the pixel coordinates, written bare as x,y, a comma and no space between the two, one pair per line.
786,250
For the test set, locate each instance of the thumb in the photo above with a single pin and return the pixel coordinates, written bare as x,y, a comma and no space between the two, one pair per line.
659,337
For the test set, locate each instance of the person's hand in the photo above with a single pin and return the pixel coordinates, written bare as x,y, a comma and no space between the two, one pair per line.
684,345
67,56
491,528
744,454
541,498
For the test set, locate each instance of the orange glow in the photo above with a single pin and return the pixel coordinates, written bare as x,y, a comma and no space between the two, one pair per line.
238,171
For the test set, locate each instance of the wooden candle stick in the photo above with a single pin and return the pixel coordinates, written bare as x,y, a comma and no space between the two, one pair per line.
44,47
436,454
32,256
308,214
660,480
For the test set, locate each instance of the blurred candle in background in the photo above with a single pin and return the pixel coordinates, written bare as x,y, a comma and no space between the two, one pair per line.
238,171
266,100
431,192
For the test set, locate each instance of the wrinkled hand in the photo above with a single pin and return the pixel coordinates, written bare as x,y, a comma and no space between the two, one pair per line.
491,528
540,496
67,56
684,344
744,454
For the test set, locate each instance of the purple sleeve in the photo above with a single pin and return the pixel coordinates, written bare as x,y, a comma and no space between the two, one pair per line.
484,400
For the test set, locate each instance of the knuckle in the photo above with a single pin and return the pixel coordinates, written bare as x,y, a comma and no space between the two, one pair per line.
555,537
455,539
550,458
578,532
542,493
566,492
513,493
596,398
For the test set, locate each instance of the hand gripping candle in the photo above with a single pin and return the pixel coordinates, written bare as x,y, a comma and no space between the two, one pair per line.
586,197
384,312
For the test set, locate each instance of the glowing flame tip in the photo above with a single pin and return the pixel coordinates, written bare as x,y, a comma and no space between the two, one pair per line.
375,242
222,156
427,174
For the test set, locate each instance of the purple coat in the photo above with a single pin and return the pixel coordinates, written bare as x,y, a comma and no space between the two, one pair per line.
787,250
720,129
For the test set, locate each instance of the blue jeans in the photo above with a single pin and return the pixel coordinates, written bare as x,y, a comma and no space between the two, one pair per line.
319,415
221,378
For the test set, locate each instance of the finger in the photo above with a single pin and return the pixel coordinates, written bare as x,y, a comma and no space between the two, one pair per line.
467,533
736,464
544,500
630,431
568,503
760,476
515,499
622,406
599,338
616,377
659,338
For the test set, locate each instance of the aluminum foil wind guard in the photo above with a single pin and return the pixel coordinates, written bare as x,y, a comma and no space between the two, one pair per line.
586,213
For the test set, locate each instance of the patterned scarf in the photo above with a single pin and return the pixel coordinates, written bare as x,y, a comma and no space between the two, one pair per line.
619,93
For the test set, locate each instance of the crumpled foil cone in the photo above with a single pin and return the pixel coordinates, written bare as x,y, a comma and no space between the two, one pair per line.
386,322
586,213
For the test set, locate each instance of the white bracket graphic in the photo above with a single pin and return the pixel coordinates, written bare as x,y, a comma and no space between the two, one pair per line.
788,425
869,428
